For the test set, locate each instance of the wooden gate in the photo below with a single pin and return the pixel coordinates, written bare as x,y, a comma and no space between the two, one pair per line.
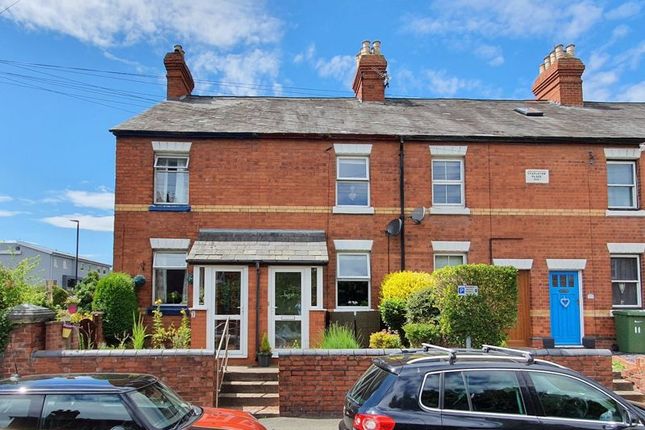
520,334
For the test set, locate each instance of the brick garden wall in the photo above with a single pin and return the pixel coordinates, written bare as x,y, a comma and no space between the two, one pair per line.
190,372
314,382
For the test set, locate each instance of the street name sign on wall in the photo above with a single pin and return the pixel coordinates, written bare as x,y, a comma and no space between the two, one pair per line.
467,290
536,176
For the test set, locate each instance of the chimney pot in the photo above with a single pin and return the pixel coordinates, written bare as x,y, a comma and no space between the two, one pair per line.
559,51
178,48
571,50
547,62
542,68
377,47
365,48
552,57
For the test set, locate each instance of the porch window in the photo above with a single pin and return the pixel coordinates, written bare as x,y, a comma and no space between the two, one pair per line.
353,280
169,278
171,179
625,281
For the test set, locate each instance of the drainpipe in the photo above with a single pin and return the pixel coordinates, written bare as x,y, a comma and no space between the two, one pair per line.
257,308
402,198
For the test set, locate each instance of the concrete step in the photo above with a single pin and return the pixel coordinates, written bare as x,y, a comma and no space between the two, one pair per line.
260,411
249,399
250,387
623,385
632,395
242,373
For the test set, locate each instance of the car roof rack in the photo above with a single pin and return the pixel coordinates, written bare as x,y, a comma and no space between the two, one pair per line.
525,354
452,354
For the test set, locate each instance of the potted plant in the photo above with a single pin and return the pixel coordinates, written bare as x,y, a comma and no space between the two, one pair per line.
264,355
72,304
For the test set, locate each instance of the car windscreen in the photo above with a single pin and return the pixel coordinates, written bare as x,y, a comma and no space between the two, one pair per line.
160,406
368,384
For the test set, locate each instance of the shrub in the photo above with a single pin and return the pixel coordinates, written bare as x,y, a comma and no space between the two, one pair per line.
85,290
385,339
418,333
401,284
180,336
485,317
265,346
393,313
5,329
115,297
420,306
338,336
139,334
59,296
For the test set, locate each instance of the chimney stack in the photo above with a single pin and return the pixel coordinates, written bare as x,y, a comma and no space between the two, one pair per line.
179,80
371,73
560,77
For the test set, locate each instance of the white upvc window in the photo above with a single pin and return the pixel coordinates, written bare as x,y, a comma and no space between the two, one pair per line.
353,280
353,181
448,182
199,287
316,276
621,185
171,179
626,281
169,278
444,260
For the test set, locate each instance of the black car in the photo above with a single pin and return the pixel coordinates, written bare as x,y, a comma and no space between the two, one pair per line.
107,402
492,388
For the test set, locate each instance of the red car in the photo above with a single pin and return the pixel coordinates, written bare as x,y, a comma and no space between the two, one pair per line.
107,402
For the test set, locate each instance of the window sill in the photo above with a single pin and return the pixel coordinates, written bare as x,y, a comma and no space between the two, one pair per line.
169,310
352,308
626,212
448,210
356,210
159,207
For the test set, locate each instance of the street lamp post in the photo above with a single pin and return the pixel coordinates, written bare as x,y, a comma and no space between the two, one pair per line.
78,225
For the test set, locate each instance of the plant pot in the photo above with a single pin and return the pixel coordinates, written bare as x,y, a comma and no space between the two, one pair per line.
72,308
264,360
67,330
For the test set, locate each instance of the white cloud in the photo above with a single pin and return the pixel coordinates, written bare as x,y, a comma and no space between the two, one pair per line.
4,198
306,55
519,18
625,10
634,93
340,67
440,83
492,54
108,23
6,213
247,74
598,86
86,222
87,199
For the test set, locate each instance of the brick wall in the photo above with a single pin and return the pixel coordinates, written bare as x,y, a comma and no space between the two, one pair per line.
290,184
191,373
314,382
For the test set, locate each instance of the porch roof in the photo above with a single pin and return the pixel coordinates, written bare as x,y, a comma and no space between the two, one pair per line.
265,246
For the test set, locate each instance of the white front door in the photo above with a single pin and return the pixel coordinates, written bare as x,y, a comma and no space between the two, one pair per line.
289,294
226,296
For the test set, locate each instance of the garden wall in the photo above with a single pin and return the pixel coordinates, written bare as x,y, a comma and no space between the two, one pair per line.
190,372
314,382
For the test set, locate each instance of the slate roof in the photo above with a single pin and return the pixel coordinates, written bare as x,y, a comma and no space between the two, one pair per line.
438,118
267,246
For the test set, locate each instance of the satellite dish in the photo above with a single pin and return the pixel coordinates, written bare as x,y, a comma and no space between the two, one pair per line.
418,214
394,227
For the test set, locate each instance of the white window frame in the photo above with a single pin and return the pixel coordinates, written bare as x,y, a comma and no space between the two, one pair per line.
319,287
366,179
199,282
154,273
639,283
157,168
463,256
634,185
367,278
460,182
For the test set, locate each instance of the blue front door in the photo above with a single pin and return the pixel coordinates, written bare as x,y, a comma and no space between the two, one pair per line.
564,292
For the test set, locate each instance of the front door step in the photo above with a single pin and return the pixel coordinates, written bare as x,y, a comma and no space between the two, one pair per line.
252,389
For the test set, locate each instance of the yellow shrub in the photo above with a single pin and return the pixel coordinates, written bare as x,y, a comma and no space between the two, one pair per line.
401,284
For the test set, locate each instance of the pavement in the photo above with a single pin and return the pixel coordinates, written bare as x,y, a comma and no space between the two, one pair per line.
284,423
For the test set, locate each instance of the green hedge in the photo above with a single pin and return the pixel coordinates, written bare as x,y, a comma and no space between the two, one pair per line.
485,317
418,333
400,285
421,306
115,297
393,313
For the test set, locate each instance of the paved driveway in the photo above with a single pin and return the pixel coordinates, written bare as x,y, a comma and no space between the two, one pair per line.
300,423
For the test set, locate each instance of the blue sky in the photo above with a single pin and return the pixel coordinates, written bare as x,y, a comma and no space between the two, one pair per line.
70,70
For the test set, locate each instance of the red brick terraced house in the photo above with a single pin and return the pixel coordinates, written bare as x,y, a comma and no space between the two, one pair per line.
277,212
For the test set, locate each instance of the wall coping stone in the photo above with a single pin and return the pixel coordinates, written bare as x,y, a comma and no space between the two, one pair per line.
29,314
555,352
124,353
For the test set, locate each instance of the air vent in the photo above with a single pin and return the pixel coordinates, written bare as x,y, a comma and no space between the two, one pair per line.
526,111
